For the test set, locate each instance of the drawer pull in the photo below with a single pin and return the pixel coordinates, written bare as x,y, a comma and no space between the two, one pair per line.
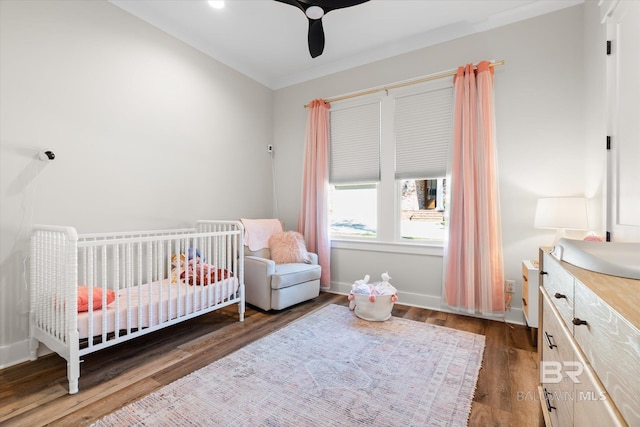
578,322
524,302
558,295
546,399
548,338
543,273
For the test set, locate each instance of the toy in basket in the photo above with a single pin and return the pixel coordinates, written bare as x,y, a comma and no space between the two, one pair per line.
373,301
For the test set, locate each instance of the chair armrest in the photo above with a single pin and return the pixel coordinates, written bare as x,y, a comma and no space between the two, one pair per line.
313,258
257,281
263,266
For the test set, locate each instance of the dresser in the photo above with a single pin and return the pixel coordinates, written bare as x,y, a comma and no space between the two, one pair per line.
588,345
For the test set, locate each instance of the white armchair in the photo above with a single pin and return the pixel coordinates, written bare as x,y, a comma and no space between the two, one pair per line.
272,286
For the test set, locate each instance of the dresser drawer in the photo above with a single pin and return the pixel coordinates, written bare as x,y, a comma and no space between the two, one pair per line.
559,285
612,347
557,356
556,341
557,405
592,405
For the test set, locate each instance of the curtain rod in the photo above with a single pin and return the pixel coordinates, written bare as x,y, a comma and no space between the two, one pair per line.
403,84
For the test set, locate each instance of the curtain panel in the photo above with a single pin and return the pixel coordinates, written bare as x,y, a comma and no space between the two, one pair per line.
474,278
313,216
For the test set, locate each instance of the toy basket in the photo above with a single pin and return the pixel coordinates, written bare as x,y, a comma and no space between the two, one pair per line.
377,311
373,301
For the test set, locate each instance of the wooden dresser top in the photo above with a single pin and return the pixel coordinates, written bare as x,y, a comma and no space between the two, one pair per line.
621,294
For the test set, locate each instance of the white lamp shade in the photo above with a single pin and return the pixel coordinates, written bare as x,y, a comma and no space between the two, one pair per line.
562,213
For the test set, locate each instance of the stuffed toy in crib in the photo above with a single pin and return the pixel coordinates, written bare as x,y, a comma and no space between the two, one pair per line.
195,270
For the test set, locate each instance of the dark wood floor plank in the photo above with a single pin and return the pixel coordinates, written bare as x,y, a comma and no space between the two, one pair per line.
495,334
487,416
35,393
13,406
417,314
399,310
520,337
466,323
523,368
494,386
106,406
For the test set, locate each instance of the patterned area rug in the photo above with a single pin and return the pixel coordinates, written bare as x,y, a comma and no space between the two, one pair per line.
328,368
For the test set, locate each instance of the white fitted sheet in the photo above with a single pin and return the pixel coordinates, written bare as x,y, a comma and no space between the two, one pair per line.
153,303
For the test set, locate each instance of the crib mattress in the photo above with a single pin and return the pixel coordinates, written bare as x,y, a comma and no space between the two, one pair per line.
151,304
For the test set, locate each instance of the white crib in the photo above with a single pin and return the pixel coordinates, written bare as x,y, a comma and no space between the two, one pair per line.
136,284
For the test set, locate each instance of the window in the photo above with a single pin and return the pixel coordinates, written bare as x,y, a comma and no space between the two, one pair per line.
388,163
353,210
354,170
422,209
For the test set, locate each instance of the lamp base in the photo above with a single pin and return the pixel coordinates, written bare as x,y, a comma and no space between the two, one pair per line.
560,234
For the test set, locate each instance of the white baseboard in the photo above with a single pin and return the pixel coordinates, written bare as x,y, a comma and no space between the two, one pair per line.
515,315
18,352
13,354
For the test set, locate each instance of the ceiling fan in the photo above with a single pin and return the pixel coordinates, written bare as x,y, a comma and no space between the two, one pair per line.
315,10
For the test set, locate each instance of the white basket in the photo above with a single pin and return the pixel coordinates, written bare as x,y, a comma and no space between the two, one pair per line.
377,311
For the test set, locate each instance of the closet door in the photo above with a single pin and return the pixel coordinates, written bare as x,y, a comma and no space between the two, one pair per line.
623,80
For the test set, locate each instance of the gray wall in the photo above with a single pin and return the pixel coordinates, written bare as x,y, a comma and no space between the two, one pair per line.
540,123
148,133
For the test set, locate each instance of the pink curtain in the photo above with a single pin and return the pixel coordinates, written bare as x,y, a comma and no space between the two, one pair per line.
474,278
313,217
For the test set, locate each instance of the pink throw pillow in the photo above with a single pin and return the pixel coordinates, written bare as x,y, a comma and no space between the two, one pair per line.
288,247
83,298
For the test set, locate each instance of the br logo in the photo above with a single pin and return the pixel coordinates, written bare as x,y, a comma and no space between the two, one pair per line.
552,372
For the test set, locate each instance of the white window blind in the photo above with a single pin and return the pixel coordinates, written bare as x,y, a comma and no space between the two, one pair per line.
423,131
355,143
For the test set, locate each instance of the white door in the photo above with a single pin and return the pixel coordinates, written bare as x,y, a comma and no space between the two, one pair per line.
623,80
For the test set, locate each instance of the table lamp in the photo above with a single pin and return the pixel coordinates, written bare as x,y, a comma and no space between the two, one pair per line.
561,214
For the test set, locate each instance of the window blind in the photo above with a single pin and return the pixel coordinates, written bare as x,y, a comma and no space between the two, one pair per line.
423,131
355,144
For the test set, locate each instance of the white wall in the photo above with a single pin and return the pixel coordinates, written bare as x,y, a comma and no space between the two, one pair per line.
148,133
539,97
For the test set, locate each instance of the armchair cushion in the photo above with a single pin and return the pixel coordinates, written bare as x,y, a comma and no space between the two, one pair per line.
293,274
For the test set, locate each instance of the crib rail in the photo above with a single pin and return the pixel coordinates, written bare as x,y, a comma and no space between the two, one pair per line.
54,267
157,278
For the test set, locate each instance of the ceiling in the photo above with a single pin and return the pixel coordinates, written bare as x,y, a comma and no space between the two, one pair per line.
267,40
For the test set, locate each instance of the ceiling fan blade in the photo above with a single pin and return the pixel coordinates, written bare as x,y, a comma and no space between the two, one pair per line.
316,37
293,3
329,5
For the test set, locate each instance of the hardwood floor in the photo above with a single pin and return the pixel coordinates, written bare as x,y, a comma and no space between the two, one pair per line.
35,393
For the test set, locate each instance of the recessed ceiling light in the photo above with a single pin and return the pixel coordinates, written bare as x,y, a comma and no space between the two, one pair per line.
216,4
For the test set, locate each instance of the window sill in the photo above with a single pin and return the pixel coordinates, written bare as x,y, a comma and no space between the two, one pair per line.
431,249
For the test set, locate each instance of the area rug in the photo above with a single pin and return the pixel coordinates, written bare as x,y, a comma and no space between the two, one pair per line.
328,368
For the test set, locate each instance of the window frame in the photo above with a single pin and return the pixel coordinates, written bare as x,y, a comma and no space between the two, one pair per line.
389,197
